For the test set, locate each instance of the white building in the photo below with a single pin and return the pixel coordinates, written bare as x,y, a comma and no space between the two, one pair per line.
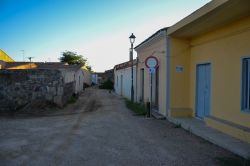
94,78
122,79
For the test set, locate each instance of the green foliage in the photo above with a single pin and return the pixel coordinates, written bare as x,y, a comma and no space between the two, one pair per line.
232,161
137,108
89,68
72,58
72,99
107,85
177,126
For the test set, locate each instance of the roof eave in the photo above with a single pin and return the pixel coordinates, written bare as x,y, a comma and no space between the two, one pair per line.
211,16
149,39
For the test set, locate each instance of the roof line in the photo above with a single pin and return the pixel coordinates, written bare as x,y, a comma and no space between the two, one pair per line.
146,40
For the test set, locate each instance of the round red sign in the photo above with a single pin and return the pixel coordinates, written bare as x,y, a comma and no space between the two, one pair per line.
151,62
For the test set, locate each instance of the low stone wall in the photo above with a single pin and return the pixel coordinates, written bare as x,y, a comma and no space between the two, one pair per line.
19,88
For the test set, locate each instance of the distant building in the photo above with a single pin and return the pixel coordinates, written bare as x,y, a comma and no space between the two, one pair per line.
105,76
109,75
94,78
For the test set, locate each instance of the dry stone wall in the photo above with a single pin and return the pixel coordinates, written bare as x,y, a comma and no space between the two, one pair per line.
19,88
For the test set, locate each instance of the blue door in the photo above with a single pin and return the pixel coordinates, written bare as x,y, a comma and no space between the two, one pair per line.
203,77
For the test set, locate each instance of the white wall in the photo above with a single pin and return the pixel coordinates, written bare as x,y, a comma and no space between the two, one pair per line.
74,76
124,88
79,80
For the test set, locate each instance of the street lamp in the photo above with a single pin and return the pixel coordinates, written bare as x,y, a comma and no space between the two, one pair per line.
132,40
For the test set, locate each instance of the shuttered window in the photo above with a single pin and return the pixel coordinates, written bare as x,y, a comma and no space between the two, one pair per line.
245,104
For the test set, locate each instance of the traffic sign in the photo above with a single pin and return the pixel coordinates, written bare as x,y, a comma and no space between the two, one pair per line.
151,70
151,62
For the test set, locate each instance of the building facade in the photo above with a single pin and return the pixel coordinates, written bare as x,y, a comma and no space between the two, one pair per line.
204,68
122,79
155,46
209,67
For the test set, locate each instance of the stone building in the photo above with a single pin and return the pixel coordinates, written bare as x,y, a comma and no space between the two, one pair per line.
23,83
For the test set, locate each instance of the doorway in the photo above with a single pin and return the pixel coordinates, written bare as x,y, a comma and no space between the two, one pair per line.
155,89
203,79
121,85
142,85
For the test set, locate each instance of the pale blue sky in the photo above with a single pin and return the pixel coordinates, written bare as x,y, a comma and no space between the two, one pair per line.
97,29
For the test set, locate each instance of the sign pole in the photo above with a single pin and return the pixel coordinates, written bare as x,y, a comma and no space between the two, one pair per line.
151,63
151,91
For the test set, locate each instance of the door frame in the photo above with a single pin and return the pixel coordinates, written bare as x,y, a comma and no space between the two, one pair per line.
121,85
196,87
142,83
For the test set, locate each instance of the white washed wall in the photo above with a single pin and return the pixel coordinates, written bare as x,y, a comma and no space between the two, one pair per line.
123,87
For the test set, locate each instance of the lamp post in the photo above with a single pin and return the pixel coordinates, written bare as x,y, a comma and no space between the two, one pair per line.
132,40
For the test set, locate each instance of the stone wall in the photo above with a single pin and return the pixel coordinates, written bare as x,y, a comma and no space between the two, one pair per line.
19,88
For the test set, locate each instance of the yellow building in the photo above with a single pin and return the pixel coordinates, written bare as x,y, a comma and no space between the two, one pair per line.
208,71
155,46
4,57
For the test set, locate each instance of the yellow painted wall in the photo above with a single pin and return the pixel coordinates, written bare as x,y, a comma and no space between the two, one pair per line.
179,81
239,133
159,47
4,57
224,49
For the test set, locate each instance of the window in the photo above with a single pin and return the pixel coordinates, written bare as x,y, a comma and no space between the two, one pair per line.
245,103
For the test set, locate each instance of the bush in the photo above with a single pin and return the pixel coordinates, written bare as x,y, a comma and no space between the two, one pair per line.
137,108
72,99
232,161
107,85
85,85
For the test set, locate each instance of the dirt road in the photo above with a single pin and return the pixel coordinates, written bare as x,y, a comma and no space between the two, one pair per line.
99,130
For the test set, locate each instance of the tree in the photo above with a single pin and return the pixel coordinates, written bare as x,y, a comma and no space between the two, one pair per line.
72,58
89,68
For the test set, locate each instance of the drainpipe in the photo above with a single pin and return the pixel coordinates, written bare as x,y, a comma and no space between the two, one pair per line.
168,75
136,79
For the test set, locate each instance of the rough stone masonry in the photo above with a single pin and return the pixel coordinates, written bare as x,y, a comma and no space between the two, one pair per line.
19,88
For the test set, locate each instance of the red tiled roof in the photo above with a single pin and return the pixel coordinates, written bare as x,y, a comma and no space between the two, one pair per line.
125,65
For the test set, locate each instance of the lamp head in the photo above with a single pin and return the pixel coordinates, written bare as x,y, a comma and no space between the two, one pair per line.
132,38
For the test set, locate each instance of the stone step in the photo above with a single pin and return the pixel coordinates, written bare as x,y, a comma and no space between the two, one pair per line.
157,115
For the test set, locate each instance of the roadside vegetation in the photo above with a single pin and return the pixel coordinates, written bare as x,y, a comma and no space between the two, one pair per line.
107,85
137,108
72,99
231,161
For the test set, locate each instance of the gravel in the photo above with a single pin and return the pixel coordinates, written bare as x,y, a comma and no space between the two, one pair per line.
99,130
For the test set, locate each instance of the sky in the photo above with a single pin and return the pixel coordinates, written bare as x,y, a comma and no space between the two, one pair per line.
97,29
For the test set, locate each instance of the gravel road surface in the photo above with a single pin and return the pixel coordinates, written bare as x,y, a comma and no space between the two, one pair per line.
99,130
